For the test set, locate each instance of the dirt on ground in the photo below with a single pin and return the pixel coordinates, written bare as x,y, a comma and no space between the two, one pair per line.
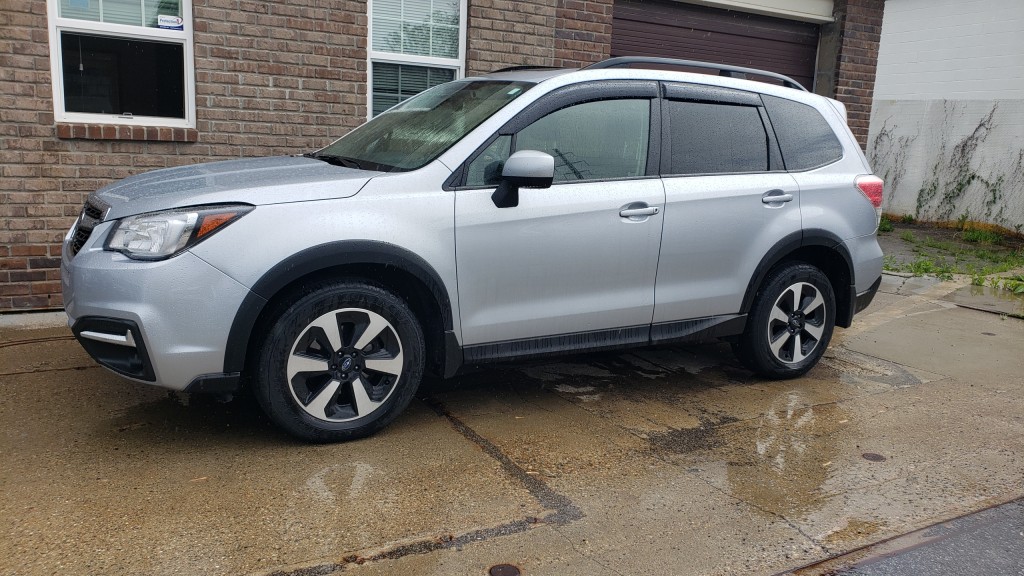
927,249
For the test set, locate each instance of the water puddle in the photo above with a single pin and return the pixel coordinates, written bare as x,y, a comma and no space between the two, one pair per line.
988,299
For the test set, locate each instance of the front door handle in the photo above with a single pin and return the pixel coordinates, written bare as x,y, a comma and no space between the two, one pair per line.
638,210
776,197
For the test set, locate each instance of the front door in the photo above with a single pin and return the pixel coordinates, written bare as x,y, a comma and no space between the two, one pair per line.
575,260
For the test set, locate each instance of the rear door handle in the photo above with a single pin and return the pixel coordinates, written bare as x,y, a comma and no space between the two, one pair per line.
638,211
776,197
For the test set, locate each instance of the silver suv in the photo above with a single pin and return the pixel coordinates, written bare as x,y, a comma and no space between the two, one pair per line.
523,213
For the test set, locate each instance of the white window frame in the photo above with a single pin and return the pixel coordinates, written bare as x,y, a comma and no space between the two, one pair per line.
58,24
457,64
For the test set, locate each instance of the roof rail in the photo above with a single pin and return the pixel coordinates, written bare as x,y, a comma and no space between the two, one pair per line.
526,67
723,69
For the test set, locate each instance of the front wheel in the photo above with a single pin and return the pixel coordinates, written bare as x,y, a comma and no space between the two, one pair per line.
790,322
340,363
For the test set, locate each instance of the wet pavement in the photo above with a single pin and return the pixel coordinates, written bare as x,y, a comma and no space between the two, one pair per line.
987,542
670,460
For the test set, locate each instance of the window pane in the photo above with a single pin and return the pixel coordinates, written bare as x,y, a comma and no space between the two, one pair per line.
804,136
419,27
122,12
393,83
80,9
716,138
595,140
485,169
130,12
156,8
116,76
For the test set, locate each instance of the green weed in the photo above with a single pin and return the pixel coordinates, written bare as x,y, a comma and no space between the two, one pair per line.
981,236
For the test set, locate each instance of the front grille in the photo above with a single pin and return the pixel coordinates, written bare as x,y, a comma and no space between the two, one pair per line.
91,215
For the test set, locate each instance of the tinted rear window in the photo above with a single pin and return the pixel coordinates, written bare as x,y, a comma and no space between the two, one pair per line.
709,138
806,139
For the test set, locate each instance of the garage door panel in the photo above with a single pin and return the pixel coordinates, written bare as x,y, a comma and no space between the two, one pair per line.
677,14
677,30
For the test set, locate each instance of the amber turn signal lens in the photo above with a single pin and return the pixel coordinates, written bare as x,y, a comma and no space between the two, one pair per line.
213,221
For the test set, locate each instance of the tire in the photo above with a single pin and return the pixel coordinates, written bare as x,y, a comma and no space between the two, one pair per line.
340,362
790,323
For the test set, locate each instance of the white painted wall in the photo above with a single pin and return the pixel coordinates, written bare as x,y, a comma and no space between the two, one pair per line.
947,123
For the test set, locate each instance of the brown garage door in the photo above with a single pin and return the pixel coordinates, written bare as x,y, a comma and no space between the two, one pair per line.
676,30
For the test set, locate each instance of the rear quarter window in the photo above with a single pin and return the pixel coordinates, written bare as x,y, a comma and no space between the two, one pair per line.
806,139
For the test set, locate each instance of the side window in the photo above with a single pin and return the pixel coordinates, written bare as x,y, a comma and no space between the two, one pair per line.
593,140
709,138
806,139
485,169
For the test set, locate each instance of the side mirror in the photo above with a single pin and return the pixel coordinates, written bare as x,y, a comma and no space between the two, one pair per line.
526,169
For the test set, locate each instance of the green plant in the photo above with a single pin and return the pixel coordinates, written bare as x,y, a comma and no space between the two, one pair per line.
981,236
907,219
885,225
907,236
977,280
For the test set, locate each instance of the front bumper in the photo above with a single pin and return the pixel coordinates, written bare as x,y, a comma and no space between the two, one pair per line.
163,323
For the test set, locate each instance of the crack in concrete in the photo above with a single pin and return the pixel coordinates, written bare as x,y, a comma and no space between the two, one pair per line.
582,555
563,511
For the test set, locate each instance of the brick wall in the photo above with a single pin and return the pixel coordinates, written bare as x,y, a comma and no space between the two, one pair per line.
271,78
859,25
560,33
583,32
501,34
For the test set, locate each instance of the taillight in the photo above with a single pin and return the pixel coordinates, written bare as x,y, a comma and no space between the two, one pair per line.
873,188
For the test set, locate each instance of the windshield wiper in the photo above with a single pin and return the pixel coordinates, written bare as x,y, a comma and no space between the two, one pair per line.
336,160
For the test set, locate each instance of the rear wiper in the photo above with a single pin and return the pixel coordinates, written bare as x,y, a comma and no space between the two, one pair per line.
335,160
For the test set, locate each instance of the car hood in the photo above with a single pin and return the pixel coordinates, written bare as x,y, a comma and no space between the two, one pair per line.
253,181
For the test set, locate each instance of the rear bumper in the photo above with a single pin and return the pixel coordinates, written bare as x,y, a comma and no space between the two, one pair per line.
863,300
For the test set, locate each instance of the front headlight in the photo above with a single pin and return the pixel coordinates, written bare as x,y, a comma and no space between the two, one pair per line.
161,235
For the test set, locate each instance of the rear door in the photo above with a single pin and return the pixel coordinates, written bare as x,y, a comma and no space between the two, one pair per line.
728,201
568,262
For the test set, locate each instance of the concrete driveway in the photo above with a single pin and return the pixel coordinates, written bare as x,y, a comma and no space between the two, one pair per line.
659,461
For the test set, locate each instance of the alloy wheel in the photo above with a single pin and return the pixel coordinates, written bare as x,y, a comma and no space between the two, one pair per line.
796,323
344,365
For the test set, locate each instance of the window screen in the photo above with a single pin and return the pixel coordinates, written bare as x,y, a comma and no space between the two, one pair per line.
594,140
105,75
806,139
708,138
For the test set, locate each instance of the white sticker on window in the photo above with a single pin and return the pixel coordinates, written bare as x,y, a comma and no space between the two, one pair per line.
170,22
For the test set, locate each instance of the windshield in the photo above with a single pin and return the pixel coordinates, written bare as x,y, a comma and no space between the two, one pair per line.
417,131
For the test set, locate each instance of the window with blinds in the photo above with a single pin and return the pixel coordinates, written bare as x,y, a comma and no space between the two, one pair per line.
393,83
123,61
414,45
131,12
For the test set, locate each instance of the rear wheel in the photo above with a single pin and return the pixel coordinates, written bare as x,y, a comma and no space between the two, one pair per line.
340,363
790,322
